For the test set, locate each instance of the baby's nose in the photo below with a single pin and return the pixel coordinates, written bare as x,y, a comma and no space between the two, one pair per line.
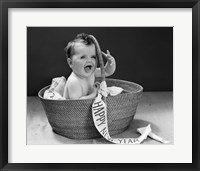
89,59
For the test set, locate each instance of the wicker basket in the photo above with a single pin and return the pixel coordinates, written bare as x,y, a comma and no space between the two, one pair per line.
73,118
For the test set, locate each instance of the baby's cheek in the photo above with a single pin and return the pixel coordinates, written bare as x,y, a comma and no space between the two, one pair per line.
96,62
78,68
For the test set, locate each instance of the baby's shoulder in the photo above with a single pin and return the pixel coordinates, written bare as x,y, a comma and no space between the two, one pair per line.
72,80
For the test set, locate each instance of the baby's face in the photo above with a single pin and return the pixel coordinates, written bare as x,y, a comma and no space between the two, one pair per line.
83,62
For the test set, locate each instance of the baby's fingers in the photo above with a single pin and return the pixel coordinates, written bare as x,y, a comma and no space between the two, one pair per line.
106,55
109,58
108,52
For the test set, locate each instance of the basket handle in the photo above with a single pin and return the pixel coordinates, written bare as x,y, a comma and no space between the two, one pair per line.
99,55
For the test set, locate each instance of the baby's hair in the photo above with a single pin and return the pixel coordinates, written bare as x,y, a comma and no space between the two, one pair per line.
82,37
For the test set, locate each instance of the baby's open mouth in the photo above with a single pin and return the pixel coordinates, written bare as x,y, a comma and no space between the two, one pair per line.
88,68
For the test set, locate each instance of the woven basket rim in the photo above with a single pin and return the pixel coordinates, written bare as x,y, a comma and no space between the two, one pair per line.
140,88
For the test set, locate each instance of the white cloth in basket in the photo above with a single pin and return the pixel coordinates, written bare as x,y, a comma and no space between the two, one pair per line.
56,90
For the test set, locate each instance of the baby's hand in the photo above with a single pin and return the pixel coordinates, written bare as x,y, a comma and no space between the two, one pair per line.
109,58
109,67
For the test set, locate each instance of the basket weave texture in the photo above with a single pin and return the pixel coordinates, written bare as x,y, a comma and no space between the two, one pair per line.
73,118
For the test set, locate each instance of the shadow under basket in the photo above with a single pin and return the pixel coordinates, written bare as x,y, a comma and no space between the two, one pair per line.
73,118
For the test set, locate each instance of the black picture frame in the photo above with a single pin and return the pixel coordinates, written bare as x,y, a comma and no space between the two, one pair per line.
6,4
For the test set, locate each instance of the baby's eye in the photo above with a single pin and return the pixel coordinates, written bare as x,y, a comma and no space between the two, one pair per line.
94,57
82,57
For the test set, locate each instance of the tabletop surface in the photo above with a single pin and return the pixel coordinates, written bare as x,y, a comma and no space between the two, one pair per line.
155,108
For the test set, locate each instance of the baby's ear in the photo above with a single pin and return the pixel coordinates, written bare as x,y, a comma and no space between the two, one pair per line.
69,61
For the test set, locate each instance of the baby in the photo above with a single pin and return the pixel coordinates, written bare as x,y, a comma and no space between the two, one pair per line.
82,59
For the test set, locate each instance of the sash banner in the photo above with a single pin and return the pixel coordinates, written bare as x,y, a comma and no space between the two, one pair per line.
99,114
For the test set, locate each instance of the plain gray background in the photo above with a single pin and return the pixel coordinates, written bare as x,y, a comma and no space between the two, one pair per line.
144,55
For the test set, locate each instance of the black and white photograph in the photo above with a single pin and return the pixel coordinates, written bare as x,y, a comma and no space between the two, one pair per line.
100,85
